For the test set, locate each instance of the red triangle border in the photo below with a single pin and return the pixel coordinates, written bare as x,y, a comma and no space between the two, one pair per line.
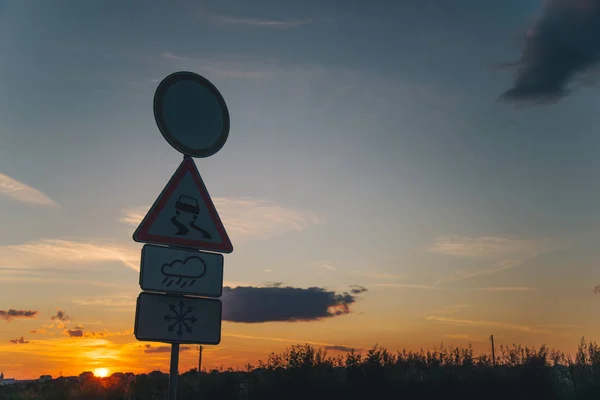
142,234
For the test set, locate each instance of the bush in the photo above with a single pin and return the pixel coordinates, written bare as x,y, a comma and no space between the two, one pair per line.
302,372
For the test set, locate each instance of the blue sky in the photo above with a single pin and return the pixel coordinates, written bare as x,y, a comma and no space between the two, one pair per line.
367,146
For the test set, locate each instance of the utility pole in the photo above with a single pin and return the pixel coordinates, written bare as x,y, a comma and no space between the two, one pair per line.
200,360
493,351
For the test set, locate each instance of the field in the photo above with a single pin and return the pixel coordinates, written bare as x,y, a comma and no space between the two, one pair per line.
303,372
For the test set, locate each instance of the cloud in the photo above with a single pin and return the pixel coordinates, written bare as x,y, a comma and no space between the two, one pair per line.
56,251
328,266
500,252
248,218
117,300
222,68
405,286
19,191
285,340
357,289
486,246
563,43
105,333
494,324
345,349
505,289
41,330
261,23
20,340
164,349
453,309
457,336
12,314
277,303
60,316
77,332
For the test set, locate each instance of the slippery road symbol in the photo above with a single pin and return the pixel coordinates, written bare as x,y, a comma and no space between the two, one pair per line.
190,205
180,317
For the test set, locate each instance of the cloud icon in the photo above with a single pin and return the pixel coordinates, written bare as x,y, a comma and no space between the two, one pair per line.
183,272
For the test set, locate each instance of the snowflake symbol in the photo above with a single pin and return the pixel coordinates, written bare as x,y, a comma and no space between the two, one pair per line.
180,317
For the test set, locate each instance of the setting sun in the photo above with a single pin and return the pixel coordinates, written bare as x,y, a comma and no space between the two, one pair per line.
101,372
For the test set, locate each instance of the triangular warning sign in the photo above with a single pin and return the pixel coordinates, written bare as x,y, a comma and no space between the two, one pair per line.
184,215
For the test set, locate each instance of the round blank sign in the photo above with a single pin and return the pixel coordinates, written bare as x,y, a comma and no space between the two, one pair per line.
191,114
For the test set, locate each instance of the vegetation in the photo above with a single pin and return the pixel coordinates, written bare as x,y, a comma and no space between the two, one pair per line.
303,372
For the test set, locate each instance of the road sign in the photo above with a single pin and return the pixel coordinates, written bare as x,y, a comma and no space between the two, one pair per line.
170,270
184,215
191,114
177,319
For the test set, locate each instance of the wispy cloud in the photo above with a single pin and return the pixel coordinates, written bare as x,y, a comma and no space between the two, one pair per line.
494,324
9,315
328,266
453,309
498,252
19,191
405,286
63,252
248,218
286,340
111,301
262,23
487,246
163,349
340,348
368,272
225,68
505,289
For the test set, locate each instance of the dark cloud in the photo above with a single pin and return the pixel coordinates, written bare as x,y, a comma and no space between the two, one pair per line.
357,289
277,303
77,332
273,284
20,340
163,349
60,316
597,289
564,42
345,349
10,314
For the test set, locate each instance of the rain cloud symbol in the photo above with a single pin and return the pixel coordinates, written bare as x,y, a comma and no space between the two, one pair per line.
183,273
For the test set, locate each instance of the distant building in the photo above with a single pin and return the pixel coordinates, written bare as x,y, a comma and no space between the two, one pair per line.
7,381
86,375
45,378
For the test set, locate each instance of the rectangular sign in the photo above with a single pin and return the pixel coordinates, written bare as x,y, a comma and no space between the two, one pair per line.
169,270
177,319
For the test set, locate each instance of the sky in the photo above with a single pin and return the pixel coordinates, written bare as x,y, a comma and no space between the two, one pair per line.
399,173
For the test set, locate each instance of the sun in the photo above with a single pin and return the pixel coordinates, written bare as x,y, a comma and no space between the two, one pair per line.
101,372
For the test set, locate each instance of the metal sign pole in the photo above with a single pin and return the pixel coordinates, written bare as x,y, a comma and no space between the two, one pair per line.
174,371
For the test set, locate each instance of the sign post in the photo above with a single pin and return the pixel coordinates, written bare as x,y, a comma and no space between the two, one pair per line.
181,284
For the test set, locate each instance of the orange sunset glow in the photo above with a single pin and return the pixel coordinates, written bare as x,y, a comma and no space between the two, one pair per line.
251,176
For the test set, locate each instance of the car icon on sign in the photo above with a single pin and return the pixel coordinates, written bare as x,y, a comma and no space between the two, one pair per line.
187,204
